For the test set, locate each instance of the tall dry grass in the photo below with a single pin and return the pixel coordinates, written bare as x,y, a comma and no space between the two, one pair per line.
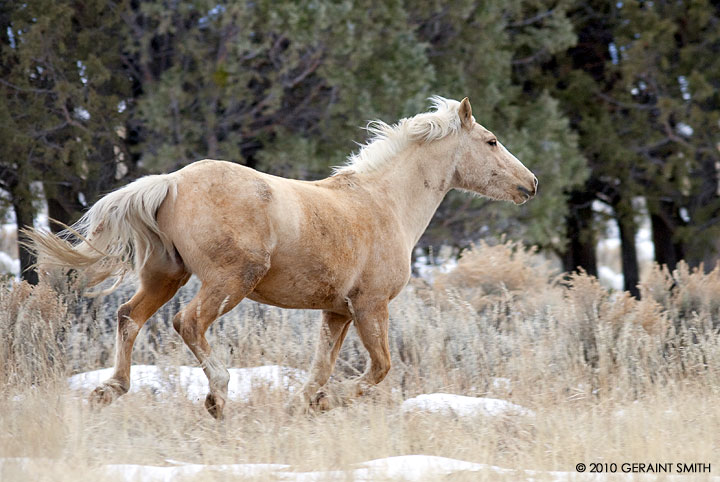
611,378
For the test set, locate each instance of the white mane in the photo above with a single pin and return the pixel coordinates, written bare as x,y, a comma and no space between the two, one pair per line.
388,140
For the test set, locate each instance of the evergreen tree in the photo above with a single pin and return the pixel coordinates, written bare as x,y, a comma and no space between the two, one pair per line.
275,85
667,99
282,87
59,119
578,77
603,101
646,128
491,52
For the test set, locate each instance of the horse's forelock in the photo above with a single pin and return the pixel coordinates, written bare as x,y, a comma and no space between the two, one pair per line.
387,140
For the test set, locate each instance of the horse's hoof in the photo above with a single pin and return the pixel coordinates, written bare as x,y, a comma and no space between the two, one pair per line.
320,402
106,393
215,406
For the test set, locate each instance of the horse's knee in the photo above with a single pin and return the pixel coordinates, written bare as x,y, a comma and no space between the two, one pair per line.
123,315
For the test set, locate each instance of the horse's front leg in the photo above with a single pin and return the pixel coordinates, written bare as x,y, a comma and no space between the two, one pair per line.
372,323
333,329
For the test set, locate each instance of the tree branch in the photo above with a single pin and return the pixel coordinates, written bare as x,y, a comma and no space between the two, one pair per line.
531,20
626,105
25,89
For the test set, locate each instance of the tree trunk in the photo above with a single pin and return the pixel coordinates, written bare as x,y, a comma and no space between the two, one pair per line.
63,199
630,267
704,213
24,218
664,221
62,206
580,251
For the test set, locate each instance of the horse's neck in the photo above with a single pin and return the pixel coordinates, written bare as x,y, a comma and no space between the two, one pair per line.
414,184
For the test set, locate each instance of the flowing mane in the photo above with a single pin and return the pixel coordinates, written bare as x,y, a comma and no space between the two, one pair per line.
388,140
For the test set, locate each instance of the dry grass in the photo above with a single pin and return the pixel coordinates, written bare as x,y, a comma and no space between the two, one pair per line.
611,378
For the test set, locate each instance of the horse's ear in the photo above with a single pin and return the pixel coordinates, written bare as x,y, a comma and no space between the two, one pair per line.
465,113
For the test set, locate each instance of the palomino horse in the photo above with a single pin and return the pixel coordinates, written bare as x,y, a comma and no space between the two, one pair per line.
341,245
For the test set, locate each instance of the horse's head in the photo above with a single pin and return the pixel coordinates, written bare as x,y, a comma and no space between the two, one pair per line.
484,166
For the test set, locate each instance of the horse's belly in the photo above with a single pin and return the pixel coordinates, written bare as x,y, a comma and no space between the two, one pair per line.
298,291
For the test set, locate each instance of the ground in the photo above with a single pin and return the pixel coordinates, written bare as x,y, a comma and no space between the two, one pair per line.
539,374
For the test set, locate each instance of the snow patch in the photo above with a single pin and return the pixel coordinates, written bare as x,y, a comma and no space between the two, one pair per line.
462,406
418,467
8,264
684,129
502,384
192,380
403,467
428,265
133,472
610,278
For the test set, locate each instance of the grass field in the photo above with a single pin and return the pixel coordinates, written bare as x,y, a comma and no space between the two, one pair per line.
610,379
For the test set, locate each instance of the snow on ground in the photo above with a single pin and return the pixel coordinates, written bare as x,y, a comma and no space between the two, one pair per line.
427,265
404,467
462,406
8,264
610,278
502,384
132,472
193,381
243,381
608,246
417,467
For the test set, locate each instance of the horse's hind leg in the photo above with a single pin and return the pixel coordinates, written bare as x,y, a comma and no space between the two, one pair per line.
156,289
212,301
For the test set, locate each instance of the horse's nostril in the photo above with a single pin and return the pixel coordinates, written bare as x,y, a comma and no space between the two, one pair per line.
536,182
525,191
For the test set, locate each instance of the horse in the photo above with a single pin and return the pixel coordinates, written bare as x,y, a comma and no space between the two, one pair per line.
341,245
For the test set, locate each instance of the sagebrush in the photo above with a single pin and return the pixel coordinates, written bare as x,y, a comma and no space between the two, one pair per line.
576,353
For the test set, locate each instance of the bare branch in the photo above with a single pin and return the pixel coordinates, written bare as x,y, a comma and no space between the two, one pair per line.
530,59
26,89
627,105
531,20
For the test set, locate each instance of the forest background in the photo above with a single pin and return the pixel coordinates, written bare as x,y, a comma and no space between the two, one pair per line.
614,106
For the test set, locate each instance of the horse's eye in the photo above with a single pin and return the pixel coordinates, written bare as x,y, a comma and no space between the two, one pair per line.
493,143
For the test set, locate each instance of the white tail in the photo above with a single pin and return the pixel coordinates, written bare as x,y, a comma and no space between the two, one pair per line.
117,234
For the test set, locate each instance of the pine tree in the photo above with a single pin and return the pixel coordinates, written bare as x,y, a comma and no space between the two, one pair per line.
59,119
287,91
491,52
578,77
645,127
667,98
275,85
